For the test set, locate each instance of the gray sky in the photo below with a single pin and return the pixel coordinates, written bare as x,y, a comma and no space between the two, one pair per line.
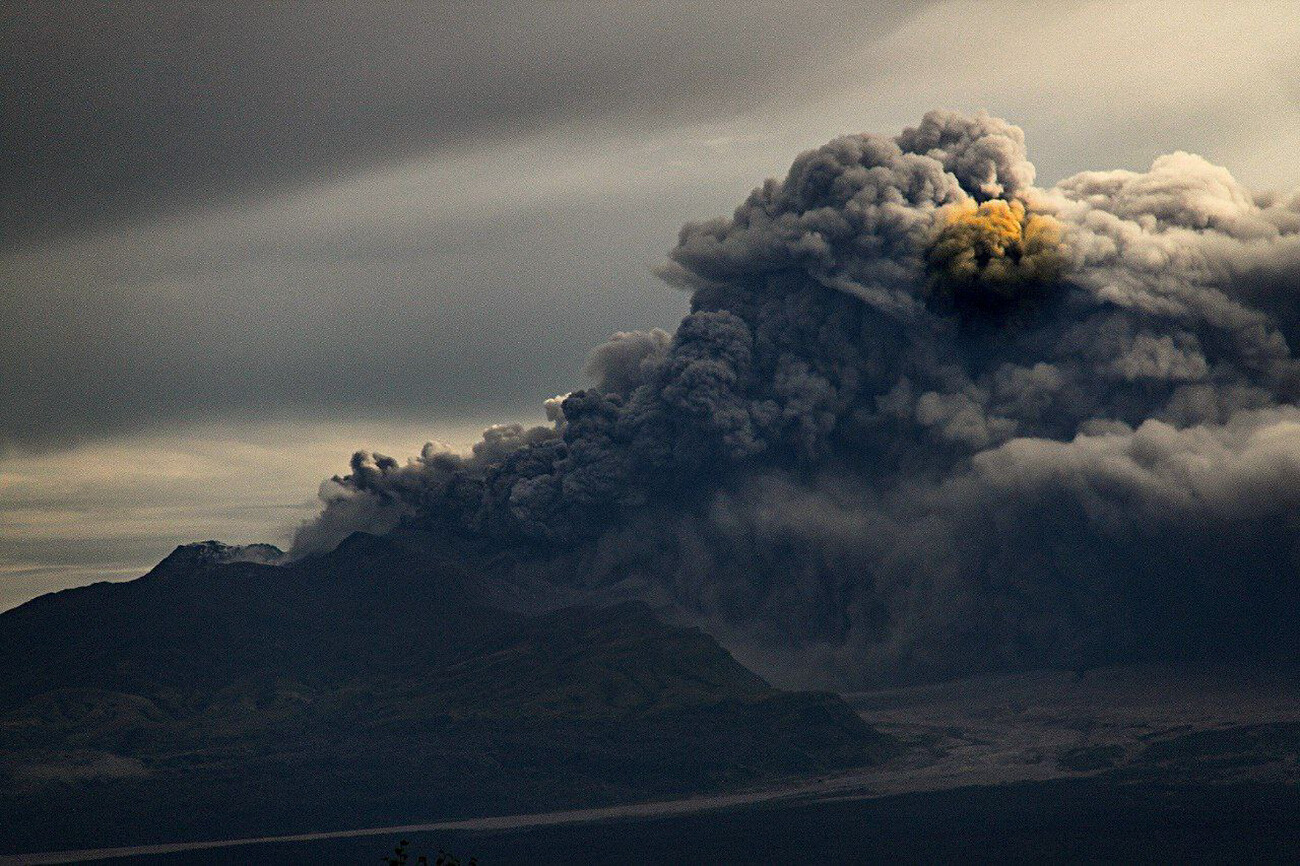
242,240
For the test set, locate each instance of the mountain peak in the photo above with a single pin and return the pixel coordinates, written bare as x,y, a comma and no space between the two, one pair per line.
199,554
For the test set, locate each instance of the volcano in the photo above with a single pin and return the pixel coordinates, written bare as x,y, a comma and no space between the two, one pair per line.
220,694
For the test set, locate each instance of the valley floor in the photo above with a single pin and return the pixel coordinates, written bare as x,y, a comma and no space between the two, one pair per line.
1081,820
1119,764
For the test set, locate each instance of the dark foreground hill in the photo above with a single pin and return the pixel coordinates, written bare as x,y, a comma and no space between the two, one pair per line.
216,697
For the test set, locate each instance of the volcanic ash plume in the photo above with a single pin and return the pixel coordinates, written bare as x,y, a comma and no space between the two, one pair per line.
993,255
924,417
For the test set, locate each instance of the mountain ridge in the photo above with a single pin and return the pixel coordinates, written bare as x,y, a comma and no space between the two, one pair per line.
369,684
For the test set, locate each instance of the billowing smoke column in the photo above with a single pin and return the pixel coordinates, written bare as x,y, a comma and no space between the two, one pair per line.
925,418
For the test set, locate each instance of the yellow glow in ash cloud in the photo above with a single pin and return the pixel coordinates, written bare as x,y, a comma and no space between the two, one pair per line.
992,255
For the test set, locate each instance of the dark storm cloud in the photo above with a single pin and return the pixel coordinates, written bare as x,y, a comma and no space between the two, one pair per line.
315,210
847,475
149,332
117,109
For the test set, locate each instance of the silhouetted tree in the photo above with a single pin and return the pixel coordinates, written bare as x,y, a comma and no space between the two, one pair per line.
401,857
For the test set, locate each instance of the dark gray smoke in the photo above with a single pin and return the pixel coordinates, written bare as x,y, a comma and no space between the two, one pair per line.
924,417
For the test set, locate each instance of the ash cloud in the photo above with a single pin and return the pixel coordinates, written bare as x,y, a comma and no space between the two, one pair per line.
923,418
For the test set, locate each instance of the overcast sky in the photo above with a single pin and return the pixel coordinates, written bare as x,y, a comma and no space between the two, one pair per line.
241,240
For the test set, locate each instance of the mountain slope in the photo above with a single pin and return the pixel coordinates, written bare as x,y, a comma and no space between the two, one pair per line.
373,684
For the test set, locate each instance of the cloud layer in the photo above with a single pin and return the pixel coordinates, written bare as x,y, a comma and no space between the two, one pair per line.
345,212
143,107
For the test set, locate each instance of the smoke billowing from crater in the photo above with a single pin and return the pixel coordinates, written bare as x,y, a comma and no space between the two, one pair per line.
924,417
